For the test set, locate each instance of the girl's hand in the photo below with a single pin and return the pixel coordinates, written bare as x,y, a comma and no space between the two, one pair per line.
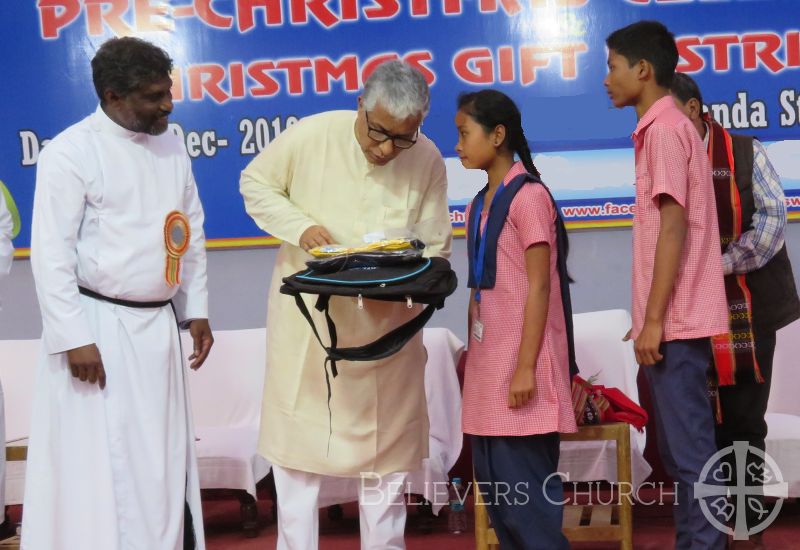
472,315
523,386
474,310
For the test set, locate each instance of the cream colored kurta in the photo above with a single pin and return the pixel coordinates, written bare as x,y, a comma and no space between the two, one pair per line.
315,173
111,469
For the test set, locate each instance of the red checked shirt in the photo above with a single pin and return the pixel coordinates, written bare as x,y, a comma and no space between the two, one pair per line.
671,159
492,361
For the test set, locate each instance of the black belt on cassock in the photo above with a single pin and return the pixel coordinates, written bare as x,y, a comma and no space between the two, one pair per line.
120,302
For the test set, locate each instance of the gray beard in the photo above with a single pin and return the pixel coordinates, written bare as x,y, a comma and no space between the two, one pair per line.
138,125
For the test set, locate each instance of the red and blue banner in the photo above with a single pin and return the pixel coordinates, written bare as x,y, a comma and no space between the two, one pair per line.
245,70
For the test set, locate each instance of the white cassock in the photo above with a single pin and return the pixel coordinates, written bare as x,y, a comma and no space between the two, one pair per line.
111,469
6,255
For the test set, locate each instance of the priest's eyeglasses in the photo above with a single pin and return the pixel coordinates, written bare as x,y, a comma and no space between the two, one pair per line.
401,142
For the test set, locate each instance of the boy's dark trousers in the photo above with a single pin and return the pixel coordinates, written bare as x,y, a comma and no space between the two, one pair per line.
743,408
515,473
685,433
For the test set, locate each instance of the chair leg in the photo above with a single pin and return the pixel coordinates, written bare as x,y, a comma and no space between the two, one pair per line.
624,480
426,517
249,513
481,519
6,528
335,512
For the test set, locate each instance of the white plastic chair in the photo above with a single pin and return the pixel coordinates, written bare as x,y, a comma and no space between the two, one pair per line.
783,409
226,397
600,352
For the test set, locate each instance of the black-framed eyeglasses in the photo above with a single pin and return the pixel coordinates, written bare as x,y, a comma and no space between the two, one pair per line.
379,136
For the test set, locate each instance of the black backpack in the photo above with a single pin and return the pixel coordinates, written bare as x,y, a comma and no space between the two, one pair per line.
428,281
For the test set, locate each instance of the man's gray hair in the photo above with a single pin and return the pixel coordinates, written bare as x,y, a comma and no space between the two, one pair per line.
399,88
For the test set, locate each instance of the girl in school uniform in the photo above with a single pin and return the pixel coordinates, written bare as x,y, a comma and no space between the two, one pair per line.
517,382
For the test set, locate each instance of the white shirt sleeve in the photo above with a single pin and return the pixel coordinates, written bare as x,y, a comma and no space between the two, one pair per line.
59,203
6,227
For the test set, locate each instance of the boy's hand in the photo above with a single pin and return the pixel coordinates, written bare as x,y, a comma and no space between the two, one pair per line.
523,386
627,335
647,345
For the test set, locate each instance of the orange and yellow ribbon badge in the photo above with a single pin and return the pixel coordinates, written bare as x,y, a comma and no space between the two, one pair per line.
176,239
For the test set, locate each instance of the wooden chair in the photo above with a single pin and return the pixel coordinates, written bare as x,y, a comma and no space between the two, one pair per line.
18,452
612,522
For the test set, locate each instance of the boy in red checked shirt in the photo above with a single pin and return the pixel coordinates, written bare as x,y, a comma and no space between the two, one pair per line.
678,299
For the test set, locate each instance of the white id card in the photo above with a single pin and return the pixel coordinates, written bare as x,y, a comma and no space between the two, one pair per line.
477,330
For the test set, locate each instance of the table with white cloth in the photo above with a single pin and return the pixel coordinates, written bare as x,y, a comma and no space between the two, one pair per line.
17,369
222,423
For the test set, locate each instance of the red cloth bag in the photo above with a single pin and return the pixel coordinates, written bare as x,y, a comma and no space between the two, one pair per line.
595,404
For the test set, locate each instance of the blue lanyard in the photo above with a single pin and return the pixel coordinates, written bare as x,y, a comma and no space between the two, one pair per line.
480,240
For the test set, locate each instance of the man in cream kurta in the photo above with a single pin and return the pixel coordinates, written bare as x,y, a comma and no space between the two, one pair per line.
335,177
111,461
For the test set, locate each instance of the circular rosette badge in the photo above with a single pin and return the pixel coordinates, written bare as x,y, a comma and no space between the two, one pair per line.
176,240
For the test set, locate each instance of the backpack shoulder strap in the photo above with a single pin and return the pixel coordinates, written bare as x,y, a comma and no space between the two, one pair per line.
389,343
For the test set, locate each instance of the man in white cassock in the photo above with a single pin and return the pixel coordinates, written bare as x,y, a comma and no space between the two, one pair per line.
6,256
117,235
333,178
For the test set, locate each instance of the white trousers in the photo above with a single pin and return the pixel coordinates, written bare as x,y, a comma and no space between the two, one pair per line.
381,507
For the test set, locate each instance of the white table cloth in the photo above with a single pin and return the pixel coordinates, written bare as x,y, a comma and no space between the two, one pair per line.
226,401
17,369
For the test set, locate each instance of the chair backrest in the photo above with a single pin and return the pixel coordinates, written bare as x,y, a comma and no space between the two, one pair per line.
600,351
784,395
18,360
227,390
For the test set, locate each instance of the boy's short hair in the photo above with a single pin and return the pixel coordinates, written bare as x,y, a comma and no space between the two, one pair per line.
651,41
685,88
